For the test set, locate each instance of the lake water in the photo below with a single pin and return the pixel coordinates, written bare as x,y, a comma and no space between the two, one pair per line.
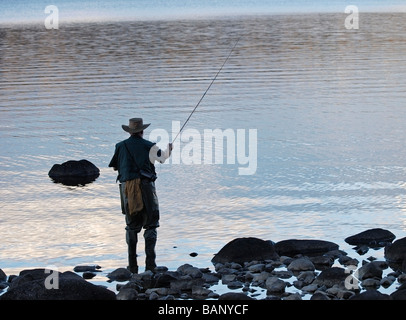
327,104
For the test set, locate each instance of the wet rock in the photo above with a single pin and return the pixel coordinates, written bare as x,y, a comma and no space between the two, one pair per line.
275,285
396,252
362,249
185,283
293,247
241,250
371,283
348,261
73,173
127,294
373,238
120,274
85,268
88,275
199,291
210,278
307,277
371,270
387,281
67,286
235,285
322,262
319,296
301,264
189,270
331,277
258,267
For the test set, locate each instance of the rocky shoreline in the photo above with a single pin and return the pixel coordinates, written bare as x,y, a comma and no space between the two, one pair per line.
246,268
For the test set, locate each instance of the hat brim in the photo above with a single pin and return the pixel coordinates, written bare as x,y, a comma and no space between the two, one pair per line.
129,130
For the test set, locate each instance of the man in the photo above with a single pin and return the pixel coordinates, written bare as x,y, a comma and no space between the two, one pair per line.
134,159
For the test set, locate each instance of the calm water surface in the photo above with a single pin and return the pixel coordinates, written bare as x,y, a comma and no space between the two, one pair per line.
328,105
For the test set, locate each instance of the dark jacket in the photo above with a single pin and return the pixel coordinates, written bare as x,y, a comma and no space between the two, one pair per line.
130,156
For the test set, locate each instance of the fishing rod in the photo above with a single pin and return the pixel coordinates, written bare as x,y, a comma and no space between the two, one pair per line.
207,90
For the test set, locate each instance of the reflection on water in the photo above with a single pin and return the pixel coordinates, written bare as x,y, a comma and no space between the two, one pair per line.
328,105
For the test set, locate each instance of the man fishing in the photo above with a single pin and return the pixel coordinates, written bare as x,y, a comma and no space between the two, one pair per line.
134,160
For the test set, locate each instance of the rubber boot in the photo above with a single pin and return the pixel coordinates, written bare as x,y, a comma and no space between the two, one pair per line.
132,239
150,236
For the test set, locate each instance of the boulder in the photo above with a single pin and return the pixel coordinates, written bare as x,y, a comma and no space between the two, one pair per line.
373,238
43,284
74,173
371,270
242,250
310,247
396,252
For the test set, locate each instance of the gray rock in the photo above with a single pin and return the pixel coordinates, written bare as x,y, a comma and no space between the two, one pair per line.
210,278
227,278
275,285
310,288
369,270
373,238
293,247
293,296
319,296
387,281
371,283
186,283
120,274
189,270
301,264
322,262
331,277
307,277
200,291
235,284
258,267
127,294
241,250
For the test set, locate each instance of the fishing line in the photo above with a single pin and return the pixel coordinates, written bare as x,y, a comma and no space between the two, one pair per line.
208,88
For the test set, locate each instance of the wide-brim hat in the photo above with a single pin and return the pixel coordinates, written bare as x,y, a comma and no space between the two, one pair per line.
135,125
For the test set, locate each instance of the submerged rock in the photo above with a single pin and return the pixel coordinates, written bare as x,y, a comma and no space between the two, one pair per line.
73,173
